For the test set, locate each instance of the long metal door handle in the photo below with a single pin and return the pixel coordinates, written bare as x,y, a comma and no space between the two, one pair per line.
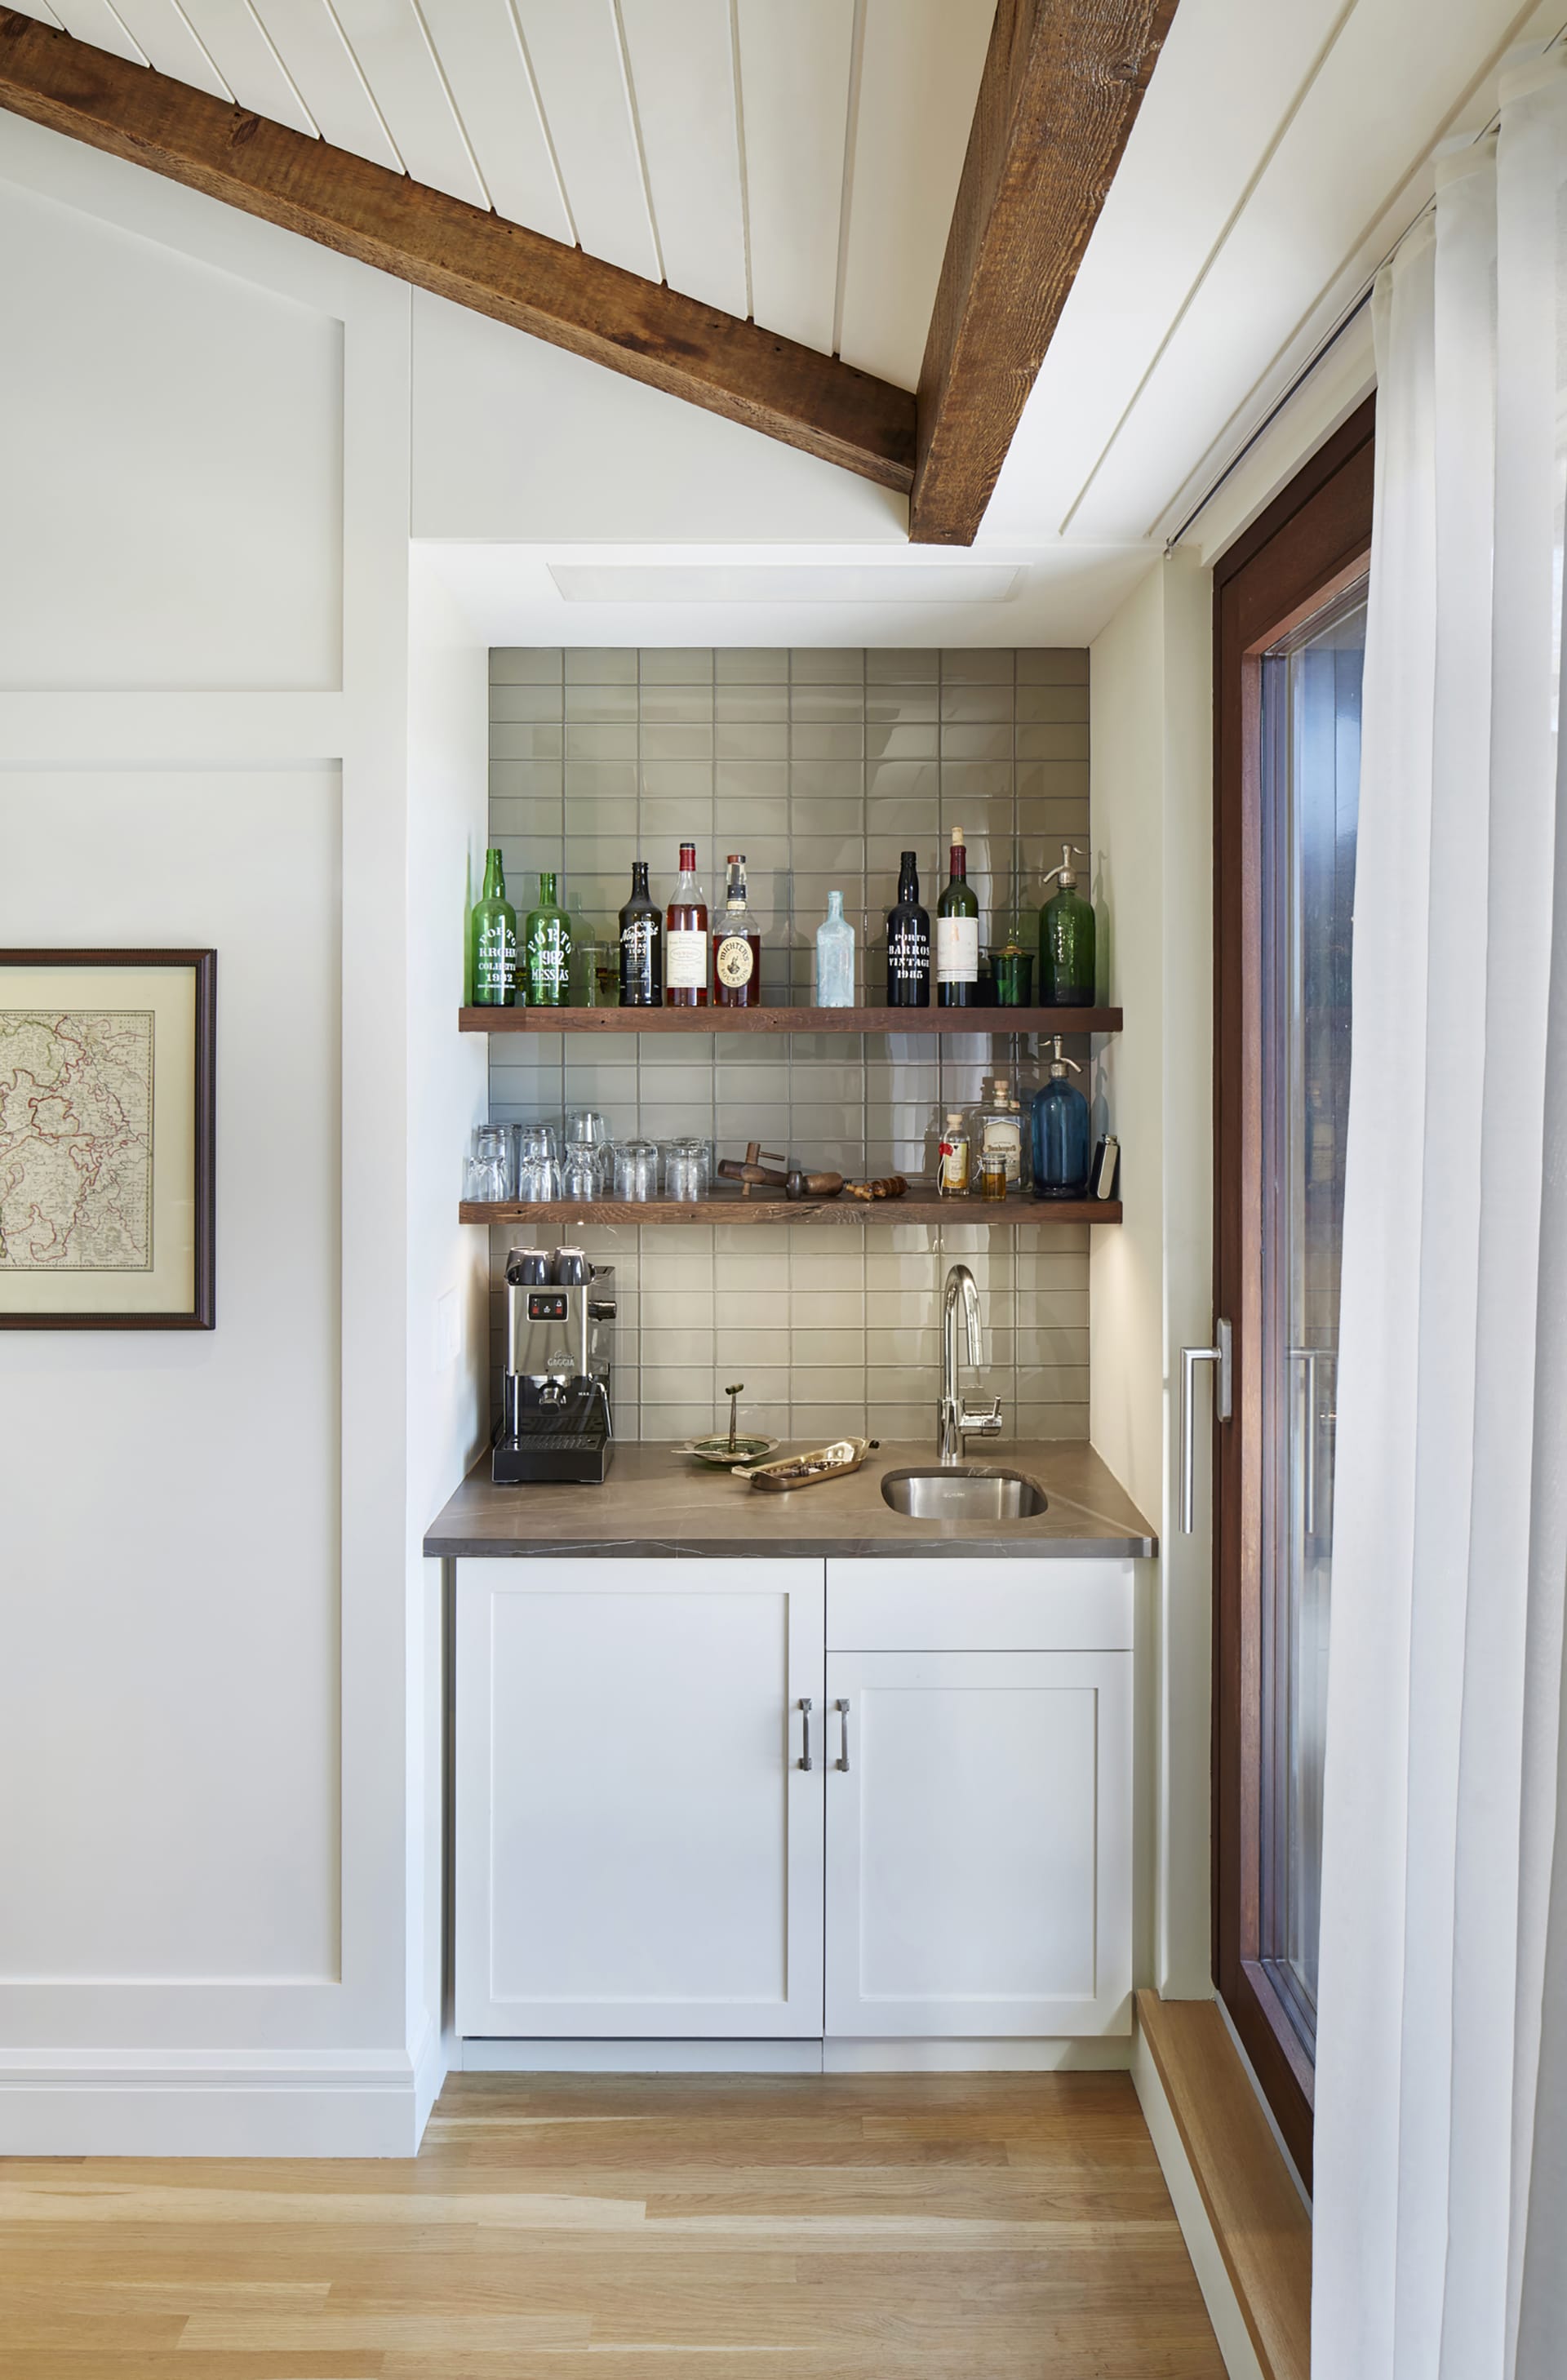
842,1708
1222,1356
803,1708
1310,1357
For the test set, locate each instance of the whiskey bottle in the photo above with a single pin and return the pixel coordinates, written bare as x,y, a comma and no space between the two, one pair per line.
641,945
685,939
547,948
908,941
493,940
957,935
736,945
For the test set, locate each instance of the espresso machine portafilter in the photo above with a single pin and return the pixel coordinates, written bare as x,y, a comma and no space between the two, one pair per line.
556,1421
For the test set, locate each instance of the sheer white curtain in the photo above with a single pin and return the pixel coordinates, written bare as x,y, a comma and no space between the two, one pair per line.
1441,2205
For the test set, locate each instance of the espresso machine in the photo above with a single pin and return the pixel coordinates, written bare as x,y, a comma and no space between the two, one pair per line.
555,1419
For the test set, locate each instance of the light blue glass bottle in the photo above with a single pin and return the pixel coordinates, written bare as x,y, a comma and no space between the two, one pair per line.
1061,1133
834,957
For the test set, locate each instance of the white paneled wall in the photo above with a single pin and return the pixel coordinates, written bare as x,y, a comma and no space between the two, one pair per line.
209,1645
792,159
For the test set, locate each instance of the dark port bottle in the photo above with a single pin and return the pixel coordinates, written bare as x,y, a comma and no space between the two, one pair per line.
641,945
908,943
957,935
685,939
736,945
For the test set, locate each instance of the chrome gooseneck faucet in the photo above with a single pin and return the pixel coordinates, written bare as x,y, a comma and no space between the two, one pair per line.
954,1419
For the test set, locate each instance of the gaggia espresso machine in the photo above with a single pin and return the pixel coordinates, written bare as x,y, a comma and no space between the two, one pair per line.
555,1419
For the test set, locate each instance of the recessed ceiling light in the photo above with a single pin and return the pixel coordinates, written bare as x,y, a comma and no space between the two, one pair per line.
899,582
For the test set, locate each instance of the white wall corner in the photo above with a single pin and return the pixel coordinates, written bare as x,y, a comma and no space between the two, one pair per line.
1202,2246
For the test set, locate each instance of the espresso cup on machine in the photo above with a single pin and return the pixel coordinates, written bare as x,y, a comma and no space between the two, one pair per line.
569,1269
527,1267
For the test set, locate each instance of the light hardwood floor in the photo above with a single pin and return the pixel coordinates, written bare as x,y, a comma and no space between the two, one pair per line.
606,2227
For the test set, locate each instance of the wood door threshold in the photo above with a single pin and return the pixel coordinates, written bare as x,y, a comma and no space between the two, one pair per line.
1262,2229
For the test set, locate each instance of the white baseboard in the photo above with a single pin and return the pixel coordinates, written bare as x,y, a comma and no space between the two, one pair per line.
1218,2295
972,2056
431,2063
641,2056
834,2056
168,2104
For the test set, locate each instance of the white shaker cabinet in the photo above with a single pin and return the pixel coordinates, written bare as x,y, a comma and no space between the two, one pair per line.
639,1849
978,1843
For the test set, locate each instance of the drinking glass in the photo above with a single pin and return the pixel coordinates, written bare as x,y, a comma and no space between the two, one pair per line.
637,1171
489,1172
488,1179
683,1169
538,1180
582,1171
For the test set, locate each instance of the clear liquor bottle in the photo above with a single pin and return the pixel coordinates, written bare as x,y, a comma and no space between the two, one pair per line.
957,934
685,939
736,945
547,948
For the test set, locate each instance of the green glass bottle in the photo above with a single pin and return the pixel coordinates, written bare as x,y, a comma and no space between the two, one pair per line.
546,949
493,940
1066,940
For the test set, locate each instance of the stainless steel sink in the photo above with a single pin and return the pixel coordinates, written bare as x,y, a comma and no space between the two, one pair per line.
963,1491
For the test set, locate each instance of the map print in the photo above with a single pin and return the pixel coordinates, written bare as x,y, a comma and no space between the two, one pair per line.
75,1140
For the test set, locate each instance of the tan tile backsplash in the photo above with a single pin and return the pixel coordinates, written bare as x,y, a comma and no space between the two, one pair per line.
822,766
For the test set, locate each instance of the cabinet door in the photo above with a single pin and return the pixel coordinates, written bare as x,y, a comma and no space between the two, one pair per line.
980,1844
639,1852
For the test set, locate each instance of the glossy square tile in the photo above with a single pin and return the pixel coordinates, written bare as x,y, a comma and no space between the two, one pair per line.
751,664
527,665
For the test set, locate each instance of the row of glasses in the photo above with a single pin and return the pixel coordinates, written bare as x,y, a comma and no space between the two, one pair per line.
537,1166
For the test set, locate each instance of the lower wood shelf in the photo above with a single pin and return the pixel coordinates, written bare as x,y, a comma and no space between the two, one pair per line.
915,1209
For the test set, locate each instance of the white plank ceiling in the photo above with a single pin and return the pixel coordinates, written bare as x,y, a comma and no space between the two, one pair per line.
796,160
791,159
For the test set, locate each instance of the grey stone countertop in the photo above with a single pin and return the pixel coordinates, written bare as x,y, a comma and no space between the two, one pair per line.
658,1502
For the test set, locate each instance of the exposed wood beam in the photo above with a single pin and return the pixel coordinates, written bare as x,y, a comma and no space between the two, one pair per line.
1064,81
556,293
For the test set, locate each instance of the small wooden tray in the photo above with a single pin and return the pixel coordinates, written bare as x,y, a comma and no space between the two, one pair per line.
838,1461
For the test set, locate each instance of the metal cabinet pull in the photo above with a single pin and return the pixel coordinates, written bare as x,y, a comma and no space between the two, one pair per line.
1221,1355
842,1708
803,1707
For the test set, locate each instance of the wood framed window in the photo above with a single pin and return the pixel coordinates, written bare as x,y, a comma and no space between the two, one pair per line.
1289,638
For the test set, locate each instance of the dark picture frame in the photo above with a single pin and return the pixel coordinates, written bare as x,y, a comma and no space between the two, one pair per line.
200,1315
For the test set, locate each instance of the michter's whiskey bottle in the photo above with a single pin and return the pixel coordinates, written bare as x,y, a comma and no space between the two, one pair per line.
736,945
685,939
641,945
957,935
546,948
908,943
493,933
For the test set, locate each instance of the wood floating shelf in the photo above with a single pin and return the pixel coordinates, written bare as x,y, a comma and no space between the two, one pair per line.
789,1020
921,1207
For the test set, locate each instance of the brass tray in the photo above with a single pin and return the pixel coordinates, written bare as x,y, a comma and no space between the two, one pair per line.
838,1461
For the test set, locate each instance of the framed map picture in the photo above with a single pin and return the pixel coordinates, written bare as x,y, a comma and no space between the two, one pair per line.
108,1067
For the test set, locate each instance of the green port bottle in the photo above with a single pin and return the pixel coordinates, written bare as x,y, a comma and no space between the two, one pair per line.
546,949
1066,940
493,940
